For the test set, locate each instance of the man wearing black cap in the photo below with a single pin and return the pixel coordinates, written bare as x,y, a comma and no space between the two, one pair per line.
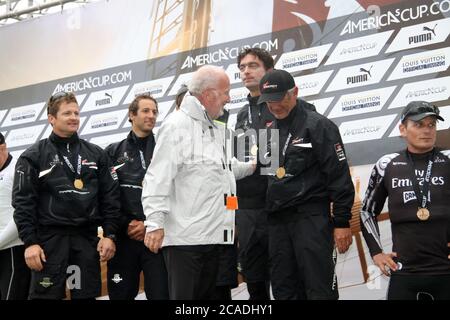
416,180
312,173
14,273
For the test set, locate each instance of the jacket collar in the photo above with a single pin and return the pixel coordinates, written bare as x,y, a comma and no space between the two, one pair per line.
194,109
60,140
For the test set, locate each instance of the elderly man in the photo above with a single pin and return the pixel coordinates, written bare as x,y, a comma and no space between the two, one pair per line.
189,194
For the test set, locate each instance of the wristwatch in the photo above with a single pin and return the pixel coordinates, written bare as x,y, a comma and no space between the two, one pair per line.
111,236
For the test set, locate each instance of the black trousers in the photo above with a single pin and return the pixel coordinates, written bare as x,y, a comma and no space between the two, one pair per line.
14,274
419,287
253,238
71,257
125,267
192,271
302,256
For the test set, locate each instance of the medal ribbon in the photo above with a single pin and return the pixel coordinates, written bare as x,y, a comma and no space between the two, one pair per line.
421,193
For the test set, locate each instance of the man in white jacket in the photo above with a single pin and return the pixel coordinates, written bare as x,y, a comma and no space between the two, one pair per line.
14,273
189,194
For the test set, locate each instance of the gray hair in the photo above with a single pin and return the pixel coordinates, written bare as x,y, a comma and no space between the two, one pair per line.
205,78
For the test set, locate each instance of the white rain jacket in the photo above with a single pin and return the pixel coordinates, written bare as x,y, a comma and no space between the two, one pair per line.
185,186
9,237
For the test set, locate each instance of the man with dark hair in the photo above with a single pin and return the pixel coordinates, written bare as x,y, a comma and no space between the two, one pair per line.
64,188
131,158
312,173
251,218
14,273
416,182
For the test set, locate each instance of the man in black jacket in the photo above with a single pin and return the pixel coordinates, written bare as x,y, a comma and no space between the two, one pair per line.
64,188
251,218
131,157
312,173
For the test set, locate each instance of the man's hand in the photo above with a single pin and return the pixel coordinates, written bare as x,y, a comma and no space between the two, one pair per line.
343,239
385,262
107,248
136,230
448,245
34,256
153,240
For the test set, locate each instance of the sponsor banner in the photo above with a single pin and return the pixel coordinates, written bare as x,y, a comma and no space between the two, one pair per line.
365,129
104,99
360,75
163,109
421,63
105,141
16,154
181,79
25,114
419,35
396,16
302,59
321,104
238,98
94,82
361,102
2,114
24,136
49,128
441,125
79,97
156,88
104,122
312,84
233,73
428,90
358,48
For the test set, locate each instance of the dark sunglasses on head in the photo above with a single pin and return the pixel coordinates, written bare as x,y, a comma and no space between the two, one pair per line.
59,95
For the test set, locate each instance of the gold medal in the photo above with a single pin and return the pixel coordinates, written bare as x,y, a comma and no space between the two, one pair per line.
254,150
280,172
423,214
78,183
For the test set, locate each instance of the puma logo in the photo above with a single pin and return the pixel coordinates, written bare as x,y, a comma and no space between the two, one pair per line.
366,71
425,28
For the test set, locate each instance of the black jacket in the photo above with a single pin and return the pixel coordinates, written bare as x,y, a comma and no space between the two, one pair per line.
252,190
126,158
44,195
317,171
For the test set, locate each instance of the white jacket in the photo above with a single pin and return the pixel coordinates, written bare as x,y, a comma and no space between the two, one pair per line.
9,236
188,178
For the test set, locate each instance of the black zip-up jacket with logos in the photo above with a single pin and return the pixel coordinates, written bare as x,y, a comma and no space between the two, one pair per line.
316,167
252,190
130,168
44,195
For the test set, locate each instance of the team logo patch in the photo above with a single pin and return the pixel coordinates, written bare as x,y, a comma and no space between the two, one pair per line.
113,173
339,151
408,196
116,278
46,282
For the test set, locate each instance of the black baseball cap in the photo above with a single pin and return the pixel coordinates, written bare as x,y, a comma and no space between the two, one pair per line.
2,138
417,110
274,85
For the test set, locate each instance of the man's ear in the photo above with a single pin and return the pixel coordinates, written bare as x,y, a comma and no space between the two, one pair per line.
51,119
402,128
